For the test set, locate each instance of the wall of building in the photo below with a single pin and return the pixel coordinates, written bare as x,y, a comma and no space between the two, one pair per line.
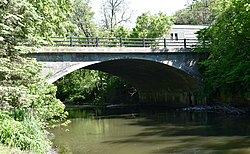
184,31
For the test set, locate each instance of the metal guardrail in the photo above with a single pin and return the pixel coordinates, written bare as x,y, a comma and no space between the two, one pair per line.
124,42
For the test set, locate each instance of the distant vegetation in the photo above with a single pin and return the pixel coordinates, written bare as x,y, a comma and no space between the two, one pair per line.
89,87
198,12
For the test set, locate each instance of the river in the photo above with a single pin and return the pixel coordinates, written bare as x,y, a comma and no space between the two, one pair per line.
153,132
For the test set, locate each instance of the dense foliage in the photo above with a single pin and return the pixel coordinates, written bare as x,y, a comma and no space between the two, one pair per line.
227,70
94,87
200,12
27,102
152,26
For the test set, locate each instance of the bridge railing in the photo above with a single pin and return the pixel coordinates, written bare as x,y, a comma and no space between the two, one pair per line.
124,42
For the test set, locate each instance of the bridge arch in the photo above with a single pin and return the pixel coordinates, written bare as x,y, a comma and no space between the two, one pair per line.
60,69
156,82
146,74
159,75
138,65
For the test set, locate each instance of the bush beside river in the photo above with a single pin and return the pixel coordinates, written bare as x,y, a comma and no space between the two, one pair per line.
28,105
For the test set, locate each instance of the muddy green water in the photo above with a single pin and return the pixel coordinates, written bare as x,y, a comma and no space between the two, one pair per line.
155,133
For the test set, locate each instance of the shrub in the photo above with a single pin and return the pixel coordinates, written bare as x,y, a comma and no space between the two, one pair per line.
25,135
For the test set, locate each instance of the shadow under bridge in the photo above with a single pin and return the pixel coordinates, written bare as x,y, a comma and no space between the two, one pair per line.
157,83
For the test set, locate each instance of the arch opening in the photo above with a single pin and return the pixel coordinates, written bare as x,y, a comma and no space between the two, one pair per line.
91,88
157,83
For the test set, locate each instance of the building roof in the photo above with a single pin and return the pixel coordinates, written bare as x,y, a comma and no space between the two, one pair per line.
188,26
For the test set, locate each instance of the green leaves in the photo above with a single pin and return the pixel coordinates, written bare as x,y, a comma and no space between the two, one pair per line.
82,17
79,86
228,67
93,87
32,22
27,102
198,13
152,26
26,134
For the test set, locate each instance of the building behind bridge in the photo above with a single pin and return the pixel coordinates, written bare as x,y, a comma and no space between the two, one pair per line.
184,31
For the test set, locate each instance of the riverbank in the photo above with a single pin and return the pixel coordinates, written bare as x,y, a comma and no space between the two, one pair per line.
216,108
131,110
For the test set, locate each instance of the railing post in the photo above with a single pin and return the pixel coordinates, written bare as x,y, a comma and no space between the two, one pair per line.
97,42
165,43
143,42
120,42
185,43
70,41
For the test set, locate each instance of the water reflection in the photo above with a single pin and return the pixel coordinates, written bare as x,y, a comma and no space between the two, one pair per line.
172,132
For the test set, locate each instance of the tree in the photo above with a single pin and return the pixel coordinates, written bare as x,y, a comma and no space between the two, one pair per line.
152,26
83,18
27,102
227,71
199,12
32,21
115,13
122,32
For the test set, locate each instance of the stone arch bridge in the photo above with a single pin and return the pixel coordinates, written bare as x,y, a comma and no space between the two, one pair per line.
164,77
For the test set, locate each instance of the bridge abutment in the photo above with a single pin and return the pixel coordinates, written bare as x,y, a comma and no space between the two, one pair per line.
164,98
172,99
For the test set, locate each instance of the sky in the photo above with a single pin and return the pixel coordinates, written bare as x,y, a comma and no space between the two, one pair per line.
141,6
